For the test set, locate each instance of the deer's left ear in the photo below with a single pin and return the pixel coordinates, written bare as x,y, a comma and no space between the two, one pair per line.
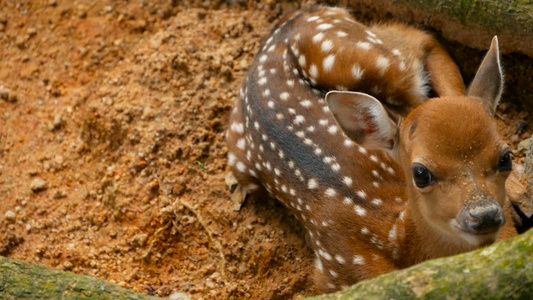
363,119
487,85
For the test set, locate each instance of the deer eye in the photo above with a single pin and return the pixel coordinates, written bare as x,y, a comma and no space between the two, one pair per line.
505,164
422,176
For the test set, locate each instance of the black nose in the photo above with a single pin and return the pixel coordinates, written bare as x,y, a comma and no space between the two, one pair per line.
482,218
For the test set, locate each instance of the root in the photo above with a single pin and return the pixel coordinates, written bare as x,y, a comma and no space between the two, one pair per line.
156,238
213,241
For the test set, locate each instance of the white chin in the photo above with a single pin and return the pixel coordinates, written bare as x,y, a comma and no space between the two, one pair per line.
476,240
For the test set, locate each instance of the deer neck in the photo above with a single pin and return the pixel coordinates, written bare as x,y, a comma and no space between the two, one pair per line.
422,241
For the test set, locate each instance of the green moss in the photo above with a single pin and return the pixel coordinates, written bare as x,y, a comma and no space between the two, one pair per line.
502,271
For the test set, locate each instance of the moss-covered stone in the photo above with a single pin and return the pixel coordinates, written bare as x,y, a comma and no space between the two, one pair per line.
500,271
20,280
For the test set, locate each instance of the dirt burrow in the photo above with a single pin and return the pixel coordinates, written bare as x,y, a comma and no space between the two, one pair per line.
112,151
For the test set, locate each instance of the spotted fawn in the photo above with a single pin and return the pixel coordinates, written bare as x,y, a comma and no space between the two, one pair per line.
334,121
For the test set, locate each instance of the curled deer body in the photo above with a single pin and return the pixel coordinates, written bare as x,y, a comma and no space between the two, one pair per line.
334,121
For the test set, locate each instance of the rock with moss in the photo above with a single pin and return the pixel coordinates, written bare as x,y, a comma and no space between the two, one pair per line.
20,280
500,271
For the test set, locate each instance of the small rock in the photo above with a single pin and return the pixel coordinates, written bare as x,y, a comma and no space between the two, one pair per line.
139,240
10,216
59,159
58,121
68,265
60,194
20,41
108,9
38,185
32,31
8,95
179,296
524,145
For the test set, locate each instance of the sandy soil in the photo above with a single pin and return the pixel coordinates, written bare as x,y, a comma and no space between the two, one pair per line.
112,151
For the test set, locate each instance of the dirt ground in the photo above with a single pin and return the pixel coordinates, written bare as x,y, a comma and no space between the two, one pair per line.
112,150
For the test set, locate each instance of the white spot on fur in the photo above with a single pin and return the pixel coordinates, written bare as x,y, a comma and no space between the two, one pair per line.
318,265
332,129
312,184
241,167
358,260
361,194
232,159
393,235
301,60
382,64
237,127
318,37
360,211
324,26
357,72
377,202
313,71
305,103
347,180
326,45
342,34
241,143
328,63
298,120
370,33
348,143
284,96
330,192
340,259
363,45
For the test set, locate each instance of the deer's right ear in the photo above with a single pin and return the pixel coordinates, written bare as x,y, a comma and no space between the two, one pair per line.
363,119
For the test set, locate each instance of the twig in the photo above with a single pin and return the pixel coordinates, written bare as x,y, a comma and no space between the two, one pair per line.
156,238
215,243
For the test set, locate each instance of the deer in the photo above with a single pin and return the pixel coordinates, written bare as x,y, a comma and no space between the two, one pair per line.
336,120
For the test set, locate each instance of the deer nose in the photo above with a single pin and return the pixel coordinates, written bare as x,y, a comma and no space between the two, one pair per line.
485,218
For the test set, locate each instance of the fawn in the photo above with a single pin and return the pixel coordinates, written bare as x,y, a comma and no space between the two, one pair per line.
378,185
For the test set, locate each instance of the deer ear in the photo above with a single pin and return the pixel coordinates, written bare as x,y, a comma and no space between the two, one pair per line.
487,85
363,119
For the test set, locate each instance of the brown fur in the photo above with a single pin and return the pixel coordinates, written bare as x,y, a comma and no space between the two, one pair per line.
378,221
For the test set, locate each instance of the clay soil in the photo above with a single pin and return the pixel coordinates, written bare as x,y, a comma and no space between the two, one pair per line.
112,149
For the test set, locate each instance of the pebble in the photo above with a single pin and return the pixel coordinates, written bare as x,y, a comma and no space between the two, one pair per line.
179,296
38,185
58,121
10,216
68,265
8,95
524,145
